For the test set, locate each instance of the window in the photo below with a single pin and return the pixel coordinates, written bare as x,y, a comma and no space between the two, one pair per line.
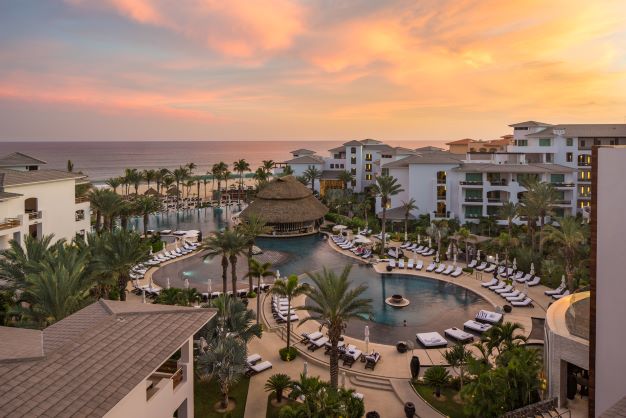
584,160
368,167
569,142
584,175
441,177
549,158
557,178
353,150
474,195
476,178
332,166
353,182
569,157
353,171
441,192
582,143
341,166
368,177
473,211
368,157
385,171
521,128
596,142
386,156
612,142
337,156
545,142
353,160
522,142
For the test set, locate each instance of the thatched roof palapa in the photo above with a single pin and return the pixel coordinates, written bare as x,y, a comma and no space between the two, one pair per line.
151,192
285,200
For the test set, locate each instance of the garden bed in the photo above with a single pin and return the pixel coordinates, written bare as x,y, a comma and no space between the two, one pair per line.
274,411
206,395
448,404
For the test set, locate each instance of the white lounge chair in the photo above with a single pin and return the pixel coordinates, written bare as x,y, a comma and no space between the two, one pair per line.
525,302
431,267
419,265
457,272
492,282
490,268
405,244
556,291
431,339
314,345
488,316
562,295
476,326
410,264
472,263
259,367
517,298
510,294
459,335
534,282
500,285
518,276
429,253
441,268
482,266
253,358
411,247
448,270
505,289
525,278
392,263
401,263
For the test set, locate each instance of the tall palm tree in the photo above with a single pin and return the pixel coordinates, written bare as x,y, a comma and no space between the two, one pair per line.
189,184
569,237
258,270
289,288
502,337
125,210
168,181
190,167
260,176
218,170
438,230
220,244
149,176
458,357
132,177
334,303
105,203
251,229
509,211
346,178
232,318
268,166
114,183
61,284
312,174
547,195
118,252
385,187
70,166
180,175
17,261
241,166
238,244
159,177
145,206
287,171
408,207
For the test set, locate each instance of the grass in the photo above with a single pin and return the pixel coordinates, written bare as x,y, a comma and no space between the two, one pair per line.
208,394
446,404
273,411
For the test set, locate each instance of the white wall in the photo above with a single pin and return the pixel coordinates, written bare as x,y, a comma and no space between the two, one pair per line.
610,283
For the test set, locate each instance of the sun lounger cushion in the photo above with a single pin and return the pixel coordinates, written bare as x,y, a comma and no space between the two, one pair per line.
259,367
488,316
253,358
431,339
525,302
476,326
458,334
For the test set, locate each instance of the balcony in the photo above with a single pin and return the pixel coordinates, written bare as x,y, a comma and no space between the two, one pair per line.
501,182
470,199
34,215
563,202
9,223
563,185
472,216
79,215
495,200
471,183
169,371
81,199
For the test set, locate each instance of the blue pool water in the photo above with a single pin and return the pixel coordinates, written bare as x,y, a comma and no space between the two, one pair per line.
205,220
435,305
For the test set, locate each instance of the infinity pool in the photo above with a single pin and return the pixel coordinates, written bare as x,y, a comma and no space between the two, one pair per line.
205,220
435,305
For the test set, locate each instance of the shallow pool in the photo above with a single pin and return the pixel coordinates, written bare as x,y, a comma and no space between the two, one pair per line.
434,305
205,219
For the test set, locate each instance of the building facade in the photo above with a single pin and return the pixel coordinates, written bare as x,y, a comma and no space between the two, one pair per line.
39,202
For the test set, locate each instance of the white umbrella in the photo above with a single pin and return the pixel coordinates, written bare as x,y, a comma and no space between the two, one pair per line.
366,332
449,249
532,269
209,286
339,227
454,260
419,239
150,283
343,379
277,274
187,284
563,280
430,242
497,261
305,368
360,239
168,283
515,264
478,254
150,250
143,295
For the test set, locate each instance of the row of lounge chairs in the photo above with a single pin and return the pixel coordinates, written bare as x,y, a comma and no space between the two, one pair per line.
350,354
508,292
558,293
281,312
483,321
163,256
345,244
418,249
254,365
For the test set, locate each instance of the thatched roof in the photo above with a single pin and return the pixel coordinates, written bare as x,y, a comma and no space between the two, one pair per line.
285,200
151,192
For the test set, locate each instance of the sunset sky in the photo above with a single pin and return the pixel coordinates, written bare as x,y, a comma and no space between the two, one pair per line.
314,69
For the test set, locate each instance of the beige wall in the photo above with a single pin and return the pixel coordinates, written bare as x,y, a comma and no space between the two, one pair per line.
611,279
164,402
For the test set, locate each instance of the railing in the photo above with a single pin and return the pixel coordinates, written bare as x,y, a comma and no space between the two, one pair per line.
471,183
472,215
474,199
34,215
81,199
569,185
495,200
9,223
498,182
441,197
563,202
548,407
440,214
177,377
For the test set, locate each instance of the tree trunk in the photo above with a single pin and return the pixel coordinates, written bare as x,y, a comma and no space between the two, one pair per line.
121,284
334,356
249,261
438,391
288,324
258,299
224,400
542,223
224,273
98,221
233,272
145,224
406,228
384,238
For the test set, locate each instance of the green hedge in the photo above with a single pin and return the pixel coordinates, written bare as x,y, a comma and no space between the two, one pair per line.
288,354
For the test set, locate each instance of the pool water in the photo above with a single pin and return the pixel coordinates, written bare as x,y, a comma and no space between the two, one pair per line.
434,305
205,219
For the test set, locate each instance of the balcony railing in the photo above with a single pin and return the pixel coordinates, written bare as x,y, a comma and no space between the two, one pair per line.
473,199
472,215
177,377
559,184
34,215
9,223
495,200
81,199
498,182
563,202
471,183
441,214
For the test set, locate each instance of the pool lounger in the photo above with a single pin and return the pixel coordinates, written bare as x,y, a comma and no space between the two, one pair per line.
419,265
410,264
476,326
253,359
473,263
457,272
459,335
506,289
482,266
431,267
448,270
351,355
431,339
534,282
510,294
307,338
490,268
441,268
489,283
259,367
371,360
525,302
314,345
488,316
401,263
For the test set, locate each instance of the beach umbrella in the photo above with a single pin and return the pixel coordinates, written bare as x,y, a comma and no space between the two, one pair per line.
437,257
532,269
151,250
478,254
339,227
419,239
366,331
454,260
277,274
430,242
497,261
563,280
449,249
360,239
343,379
209,286
143,295
305,368
167,286
187,284
515,264
150,283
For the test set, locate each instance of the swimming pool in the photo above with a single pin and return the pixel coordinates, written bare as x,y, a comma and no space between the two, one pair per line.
435,305
205,219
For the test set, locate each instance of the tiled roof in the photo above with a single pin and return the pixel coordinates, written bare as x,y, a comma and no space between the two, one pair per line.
371,142
429,149
395,214
353,144
514,168
302,151
436,157
95,357
330,174
463,141
19,159
306,159
593,130
17,178
338,149
529,123
20,343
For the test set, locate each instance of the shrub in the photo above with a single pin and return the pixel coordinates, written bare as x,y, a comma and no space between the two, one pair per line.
468,270
288,354
436,377
251,295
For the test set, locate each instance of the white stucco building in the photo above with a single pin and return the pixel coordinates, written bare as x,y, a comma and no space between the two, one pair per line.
38,202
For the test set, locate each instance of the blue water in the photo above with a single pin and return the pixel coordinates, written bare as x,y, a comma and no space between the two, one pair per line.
204,220
435,305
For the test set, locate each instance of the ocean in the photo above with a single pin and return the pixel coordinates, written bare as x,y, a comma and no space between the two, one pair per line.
102,160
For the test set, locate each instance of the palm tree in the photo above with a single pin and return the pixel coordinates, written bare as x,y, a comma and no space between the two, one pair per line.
70,166
145,206
132,177
287,171
160,175
61,284
232,318
506,242
569,237
334,303
180,175
346,178
436,377
114,183
118,252
503,337
457,357
149,176
189,184
438,230
241,166
168,181
277,383
238,244
17,261
105,203
268,166
219,171
407,208
258,270
251,229
465,234
260,176
312,174
385,187
125,210
223,243
509,211
289,288
190,167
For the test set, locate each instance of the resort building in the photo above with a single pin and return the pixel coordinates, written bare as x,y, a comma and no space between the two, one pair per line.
39,202
288,207
362,159
110,359
475,183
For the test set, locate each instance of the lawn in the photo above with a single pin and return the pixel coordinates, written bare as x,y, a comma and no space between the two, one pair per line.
207,394
272,411
446,404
